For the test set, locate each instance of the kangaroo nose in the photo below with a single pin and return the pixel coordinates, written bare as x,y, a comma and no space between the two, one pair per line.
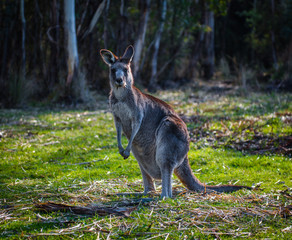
119,80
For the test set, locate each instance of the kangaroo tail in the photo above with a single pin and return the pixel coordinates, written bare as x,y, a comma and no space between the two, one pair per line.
188,179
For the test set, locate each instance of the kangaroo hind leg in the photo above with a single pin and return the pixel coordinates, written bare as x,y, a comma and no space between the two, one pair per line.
147,181
166,175
171,149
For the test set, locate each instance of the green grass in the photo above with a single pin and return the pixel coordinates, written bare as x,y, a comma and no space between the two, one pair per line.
72,157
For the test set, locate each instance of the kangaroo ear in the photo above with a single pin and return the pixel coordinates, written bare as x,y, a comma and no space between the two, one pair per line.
108,57
128,54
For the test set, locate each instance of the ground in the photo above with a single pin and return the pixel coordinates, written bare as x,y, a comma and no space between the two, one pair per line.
54,156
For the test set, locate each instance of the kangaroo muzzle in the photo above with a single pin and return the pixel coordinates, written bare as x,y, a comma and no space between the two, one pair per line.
120,78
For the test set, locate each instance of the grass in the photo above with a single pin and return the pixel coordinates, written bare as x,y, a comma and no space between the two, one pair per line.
71,156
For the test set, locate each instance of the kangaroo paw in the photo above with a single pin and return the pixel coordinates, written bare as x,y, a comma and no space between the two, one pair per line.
125,154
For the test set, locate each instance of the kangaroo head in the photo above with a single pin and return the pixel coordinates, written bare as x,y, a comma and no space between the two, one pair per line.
120,67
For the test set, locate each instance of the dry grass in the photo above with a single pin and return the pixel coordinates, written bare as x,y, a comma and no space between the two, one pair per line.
189,213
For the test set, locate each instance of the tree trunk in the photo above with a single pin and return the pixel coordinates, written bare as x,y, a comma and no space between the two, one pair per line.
253,32
106,25
82,18
8,28
209,59
70,41
95,18
153,80
274,53
123,31
55,48
39,51
197,47
22,71
196,53
139,44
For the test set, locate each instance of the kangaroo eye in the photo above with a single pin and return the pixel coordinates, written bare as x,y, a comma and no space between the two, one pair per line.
113,71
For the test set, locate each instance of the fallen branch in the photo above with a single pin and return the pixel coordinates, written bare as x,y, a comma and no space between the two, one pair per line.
87,210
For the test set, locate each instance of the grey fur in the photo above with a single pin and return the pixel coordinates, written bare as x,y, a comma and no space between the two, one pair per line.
157,136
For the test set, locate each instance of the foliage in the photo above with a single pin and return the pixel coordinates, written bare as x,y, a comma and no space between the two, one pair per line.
245,35
71,157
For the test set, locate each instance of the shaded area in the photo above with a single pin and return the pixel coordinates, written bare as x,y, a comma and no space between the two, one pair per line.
245,135
49,48
117,208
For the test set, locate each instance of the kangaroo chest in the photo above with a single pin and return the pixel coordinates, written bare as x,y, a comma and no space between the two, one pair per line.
123,113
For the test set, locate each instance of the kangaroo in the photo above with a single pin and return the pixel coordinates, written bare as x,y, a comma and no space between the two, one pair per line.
157,136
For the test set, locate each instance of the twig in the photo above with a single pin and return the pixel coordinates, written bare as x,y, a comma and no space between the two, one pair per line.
160,235
82,18
88,210
83,163
49,35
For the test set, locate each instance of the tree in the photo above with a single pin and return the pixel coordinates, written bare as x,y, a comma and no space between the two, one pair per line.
198,30
139,43
54,35
273,40
95,18
209,50
158,34
23,53
71,41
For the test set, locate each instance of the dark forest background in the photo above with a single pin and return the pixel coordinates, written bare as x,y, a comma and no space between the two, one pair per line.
49,50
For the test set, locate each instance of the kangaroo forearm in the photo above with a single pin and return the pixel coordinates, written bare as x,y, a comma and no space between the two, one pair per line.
119,139
135,128
129,146
119,134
